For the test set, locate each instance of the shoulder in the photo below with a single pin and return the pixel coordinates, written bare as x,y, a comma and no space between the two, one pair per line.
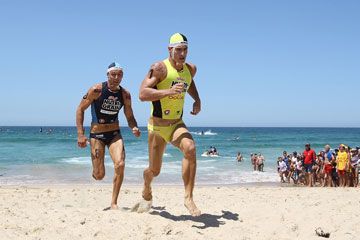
192,68
95,91
159,69
126,94
96,88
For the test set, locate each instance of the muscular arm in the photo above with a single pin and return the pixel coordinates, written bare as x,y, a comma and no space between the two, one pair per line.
156,74
193,91
192,88
128,109
93,93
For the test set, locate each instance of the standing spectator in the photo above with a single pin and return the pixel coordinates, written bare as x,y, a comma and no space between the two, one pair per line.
328,159
260,162
282,169
342,161
354,166
254,161
309,159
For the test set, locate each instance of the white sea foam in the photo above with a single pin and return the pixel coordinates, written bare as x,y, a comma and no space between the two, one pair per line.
136,165
236,177
142,157
207,133
82,160
209,155
77,160
207,160
145,157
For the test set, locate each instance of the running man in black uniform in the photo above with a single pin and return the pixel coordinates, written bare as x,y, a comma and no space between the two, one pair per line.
106,100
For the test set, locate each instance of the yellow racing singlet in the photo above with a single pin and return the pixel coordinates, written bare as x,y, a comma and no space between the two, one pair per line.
171,107
342,160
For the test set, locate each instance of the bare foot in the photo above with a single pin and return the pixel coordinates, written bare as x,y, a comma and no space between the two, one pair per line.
190,205
146,194
114,207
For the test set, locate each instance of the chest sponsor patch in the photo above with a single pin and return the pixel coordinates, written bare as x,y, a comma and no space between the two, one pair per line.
111,104
180,80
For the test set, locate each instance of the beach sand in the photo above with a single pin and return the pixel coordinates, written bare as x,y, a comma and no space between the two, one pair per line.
229,212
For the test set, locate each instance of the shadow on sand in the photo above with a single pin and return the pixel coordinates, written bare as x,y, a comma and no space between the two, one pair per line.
208,220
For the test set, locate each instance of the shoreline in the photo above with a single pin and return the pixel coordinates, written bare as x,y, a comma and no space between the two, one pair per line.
106,184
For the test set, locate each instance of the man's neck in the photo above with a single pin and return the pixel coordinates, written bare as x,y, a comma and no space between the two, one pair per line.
113,88
176,65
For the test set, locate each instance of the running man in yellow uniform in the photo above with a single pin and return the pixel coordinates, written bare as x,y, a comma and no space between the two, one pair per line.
165,86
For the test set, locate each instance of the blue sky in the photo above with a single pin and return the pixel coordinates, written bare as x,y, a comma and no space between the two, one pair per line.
260,63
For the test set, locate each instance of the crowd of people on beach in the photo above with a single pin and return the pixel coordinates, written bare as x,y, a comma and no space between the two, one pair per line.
327,168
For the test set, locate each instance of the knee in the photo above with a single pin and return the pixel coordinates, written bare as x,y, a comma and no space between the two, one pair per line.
98,175
119,167
151,172
155,172
189,149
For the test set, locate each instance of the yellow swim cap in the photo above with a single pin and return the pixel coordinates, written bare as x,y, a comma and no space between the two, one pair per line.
177,39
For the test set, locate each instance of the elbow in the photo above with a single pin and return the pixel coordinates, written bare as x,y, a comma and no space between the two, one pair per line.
142,97
79,110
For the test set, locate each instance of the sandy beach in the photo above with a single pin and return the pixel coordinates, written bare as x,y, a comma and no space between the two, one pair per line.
229,212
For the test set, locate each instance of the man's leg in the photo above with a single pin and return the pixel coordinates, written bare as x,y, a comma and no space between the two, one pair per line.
183,140
282,177
97,157
308,180
117,153
341,181
356,176
157,147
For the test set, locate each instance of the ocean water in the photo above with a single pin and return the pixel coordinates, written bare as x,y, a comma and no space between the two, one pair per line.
28,156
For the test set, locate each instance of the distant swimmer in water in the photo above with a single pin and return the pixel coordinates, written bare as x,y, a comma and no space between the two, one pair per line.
202,133
239,157
40,129
106,100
